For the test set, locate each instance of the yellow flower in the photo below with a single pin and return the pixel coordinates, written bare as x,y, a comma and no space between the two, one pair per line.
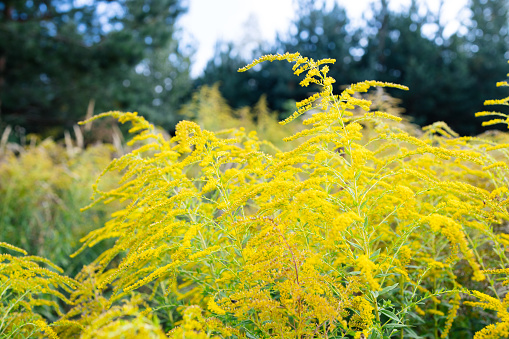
214,308
368,269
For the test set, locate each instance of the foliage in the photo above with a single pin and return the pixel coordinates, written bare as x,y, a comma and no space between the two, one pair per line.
59,57
23,285
211,112
362,229
317,32
365,227
453,72
42,187
450,74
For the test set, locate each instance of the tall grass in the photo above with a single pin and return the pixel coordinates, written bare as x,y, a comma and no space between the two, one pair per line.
43,186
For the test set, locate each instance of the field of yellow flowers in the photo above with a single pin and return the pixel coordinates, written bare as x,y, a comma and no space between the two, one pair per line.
361,225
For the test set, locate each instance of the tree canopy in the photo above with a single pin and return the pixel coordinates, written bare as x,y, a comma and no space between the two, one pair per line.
449,75
58,57
62,58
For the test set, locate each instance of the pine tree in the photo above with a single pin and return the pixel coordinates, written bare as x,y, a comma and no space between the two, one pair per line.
58,56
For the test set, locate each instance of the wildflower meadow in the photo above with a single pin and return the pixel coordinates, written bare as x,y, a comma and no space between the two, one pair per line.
344,220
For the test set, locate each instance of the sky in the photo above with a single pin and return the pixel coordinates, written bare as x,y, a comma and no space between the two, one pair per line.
208,21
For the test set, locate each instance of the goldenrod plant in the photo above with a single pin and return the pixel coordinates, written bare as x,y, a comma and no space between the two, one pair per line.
365,227
211,112
42,187
25,286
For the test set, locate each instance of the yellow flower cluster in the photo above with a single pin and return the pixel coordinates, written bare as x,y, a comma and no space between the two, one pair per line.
26,285
368,270
497,164
363,221
290,57
499,330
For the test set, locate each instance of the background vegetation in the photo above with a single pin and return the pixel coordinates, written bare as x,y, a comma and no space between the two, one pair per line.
62,61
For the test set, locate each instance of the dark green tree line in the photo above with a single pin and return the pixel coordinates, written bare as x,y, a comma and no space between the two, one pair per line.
58,57
449,76
317,32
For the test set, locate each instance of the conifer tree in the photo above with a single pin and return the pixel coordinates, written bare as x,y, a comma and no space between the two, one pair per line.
318,30
59,56
449,74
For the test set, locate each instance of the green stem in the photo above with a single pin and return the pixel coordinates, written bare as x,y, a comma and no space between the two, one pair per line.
402,293
377,315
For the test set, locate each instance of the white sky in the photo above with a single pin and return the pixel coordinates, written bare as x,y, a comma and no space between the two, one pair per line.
207,21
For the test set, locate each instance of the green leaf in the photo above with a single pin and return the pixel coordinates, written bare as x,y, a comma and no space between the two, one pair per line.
416,316
374,255
390,315
394,325
375,335
411,334
357,175
363,204
357,246
388,288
